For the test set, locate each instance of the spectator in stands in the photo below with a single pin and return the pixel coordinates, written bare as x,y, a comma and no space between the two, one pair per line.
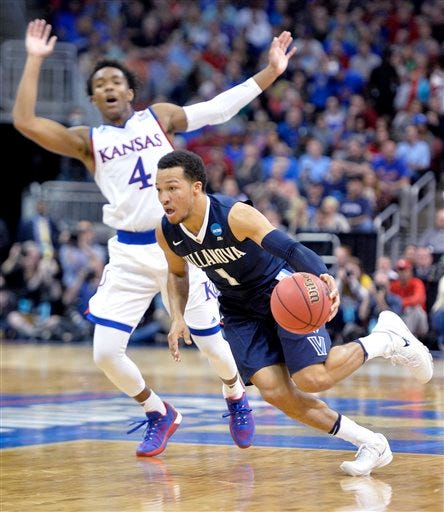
381,298
384,265
434,237
34,281
328,219
413,294
40,228
313,164
354,159
356,208
437,315
351,320
249,171
415,152
335,182
314,194
382,85
364,61
231,188
82,261
393,177
409,253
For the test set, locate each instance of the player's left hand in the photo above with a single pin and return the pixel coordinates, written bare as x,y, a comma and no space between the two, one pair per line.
334,294
178,331
278,55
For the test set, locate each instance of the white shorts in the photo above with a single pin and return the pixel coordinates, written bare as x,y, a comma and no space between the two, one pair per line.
131,279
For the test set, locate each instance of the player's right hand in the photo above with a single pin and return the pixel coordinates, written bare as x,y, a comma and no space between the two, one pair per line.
178,331
38,42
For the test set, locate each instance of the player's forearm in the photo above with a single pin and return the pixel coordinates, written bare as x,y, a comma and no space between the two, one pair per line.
266,77
178,288
24,107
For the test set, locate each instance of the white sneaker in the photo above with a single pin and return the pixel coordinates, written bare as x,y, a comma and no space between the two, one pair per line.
405,349
369,456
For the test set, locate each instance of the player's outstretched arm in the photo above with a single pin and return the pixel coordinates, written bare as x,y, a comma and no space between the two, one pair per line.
227,104
49,134
247,222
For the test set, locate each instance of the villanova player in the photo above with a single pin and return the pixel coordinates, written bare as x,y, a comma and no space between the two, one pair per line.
122,156
227,238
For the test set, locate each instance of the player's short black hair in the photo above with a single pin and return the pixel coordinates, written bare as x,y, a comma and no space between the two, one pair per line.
131,78
192,165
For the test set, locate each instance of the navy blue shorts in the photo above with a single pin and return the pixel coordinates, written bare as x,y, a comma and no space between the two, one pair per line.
257,343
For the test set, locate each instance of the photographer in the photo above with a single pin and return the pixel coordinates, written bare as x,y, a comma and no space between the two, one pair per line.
381,298
35,292
82,261
351,320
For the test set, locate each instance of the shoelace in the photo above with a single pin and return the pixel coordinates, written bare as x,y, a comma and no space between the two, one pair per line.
150,427
239,412
369,448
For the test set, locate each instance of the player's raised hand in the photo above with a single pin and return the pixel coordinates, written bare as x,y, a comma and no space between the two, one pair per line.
38,41
279,53
178,331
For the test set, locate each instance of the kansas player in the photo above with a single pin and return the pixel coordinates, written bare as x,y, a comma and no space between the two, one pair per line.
122,155
226,239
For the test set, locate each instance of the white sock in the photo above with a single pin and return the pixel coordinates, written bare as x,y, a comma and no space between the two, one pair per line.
235,390
352,432
154,403
376,344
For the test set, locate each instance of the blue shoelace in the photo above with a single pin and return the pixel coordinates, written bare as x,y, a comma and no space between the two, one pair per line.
239,412
150,426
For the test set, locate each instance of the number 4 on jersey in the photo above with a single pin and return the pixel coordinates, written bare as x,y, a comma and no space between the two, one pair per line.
139,175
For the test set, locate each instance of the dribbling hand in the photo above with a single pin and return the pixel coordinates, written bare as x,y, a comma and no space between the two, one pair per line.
38,42
334,294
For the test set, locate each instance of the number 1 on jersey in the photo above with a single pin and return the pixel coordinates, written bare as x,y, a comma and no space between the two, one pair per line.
223,273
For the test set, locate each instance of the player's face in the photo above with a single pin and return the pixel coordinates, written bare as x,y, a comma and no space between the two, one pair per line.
176,194
111,93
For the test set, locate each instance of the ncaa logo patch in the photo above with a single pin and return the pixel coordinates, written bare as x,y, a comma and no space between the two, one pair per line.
216,229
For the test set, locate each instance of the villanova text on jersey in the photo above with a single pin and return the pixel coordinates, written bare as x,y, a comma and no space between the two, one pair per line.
241,271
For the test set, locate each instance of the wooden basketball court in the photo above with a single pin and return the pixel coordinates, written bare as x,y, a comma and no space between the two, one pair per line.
65,447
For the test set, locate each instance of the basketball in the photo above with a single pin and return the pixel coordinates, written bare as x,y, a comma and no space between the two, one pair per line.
300,303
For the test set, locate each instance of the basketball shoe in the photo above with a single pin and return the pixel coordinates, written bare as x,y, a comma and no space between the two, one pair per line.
241,421
369,456
159,428
404,349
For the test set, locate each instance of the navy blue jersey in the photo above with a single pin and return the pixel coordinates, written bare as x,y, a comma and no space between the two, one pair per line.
242,271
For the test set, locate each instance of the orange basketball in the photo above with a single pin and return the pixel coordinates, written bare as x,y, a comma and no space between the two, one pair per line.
300,303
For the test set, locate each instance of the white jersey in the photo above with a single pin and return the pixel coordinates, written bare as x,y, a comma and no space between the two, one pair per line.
125,170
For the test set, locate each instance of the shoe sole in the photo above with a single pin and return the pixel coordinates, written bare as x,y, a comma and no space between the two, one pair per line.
427,358
173,427
242,446
388,457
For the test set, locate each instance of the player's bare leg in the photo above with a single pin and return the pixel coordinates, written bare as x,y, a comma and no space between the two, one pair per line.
278,389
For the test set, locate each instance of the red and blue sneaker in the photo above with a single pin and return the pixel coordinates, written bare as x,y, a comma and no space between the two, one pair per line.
241,421
159,428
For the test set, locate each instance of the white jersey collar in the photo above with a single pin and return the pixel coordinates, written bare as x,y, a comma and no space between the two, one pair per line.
201,235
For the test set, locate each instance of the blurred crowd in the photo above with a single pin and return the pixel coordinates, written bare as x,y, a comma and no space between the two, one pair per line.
357,118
